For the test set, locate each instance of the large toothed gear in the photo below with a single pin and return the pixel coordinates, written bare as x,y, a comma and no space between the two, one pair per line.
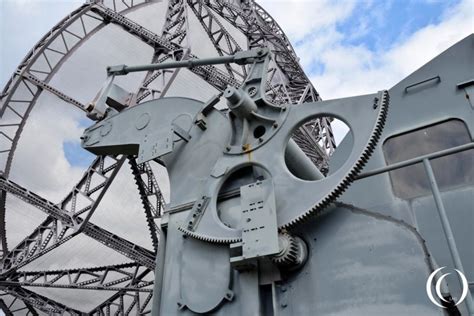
296,199
333,193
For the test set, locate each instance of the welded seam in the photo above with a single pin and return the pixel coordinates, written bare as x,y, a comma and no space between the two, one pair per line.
428,259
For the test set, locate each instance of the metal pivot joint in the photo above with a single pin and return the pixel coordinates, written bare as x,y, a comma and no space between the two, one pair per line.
254,120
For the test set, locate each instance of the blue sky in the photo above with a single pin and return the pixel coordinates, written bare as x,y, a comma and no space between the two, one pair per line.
378,25
346,47
73,151
356,47
382,23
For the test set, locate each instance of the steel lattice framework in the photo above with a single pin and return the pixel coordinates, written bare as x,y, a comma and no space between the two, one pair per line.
287,83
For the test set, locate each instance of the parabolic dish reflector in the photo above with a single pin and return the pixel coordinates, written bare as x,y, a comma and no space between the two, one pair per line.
80,233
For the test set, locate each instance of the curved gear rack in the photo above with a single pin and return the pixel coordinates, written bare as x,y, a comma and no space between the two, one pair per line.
287,84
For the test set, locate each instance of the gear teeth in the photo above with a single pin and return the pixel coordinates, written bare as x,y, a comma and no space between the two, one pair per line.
321,206
149,216
289,256
208,238
318,208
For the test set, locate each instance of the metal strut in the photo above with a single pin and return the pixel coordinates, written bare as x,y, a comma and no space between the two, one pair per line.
240,58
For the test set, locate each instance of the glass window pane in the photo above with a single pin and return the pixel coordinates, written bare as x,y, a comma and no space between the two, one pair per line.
450,171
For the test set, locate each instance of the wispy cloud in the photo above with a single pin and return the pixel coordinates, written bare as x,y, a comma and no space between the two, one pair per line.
331,40
341,45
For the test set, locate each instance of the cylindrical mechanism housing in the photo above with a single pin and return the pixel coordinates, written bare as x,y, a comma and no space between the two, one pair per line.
239,102
299,164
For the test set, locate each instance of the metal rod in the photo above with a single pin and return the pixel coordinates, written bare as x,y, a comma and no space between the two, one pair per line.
275,300
416,160
299,164
447,230
159,271
185,206
124,69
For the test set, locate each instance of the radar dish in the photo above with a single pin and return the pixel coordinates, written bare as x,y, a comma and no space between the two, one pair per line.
78,233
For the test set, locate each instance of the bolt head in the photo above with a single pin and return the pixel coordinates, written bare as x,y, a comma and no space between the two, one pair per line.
376,103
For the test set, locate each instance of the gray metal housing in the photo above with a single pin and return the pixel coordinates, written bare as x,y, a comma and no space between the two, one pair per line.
370,253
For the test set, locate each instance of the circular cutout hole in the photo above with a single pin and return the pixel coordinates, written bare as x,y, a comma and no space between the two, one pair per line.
228,202
318,148
259,131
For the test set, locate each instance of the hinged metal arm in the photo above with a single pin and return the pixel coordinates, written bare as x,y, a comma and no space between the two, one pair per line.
240,58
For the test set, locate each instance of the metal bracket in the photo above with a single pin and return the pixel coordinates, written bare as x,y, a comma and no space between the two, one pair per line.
433,80
149,150
180,132
196,213
468,87
259,224
201,118
111,96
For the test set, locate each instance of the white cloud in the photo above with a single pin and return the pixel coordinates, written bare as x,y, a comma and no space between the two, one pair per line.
298,18
345,69
348,70
22,24
355,69
40,162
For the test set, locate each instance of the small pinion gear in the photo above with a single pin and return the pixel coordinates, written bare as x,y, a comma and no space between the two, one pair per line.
293,252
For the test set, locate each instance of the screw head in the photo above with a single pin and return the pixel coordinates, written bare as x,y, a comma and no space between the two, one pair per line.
252,91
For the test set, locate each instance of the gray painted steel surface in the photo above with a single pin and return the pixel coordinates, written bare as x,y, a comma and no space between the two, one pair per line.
368,254
174,40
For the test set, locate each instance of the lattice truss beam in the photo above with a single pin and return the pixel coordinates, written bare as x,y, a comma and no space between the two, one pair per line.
64,221
287,83
132,297
33,300
125,303
112,278
11,305
70,217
